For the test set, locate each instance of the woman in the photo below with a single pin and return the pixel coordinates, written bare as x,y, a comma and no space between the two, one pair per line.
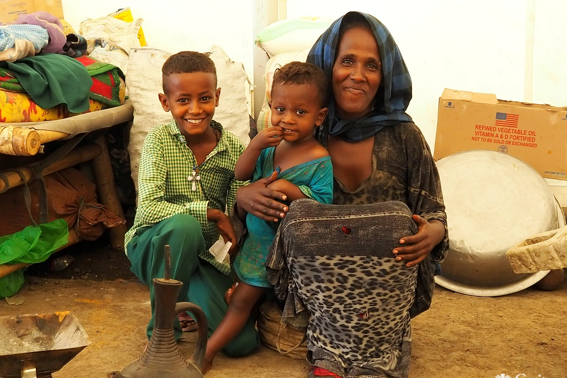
379,156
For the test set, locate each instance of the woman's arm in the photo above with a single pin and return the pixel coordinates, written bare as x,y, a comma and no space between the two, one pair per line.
291,190
425,199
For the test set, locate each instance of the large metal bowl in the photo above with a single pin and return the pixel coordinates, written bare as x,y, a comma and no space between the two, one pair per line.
493,202
40,344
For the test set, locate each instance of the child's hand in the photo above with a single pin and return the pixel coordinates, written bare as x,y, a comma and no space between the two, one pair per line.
270,137
225,227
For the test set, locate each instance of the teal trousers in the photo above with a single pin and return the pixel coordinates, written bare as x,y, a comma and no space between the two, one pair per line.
203,284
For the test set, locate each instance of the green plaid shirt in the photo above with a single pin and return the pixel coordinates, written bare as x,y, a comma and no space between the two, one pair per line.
164,189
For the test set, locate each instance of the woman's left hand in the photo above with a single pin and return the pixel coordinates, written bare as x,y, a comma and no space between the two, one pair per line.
414,249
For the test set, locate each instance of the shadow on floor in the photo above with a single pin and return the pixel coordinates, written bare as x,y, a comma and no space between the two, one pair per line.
89,261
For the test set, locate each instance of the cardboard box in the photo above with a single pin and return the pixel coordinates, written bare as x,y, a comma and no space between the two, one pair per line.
10,9
535,134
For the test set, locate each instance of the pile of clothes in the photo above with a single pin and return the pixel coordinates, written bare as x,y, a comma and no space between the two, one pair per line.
45,73
38,32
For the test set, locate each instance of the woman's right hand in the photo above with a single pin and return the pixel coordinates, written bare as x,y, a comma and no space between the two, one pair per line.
259,200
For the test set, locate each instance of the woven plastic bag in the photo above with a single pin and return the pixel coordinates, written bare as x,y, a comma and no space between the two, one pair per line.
34,244
279,336
11,283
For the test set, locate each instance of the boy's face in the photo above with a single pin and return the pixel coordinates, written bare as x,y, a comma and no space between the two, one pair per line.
192,99
296,109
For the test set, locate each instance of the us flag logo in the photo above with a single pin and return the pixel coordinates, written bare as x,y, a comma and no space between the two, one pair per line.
507,119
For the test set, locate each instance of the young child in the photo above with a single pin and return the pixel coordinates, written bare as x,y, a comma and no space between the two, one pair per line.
298,105
186,182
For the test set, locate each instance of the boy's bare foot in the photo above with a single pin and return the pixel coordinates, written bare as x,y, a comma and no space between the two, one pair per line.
187,322
229,292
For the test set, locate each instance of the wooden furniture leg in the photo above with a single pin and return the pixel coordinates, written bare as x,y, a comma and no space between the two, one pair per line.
10,179
107,192
6,269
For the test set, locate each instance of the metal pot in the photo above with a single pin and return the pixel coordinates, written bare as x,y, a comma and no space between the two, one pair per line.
493,202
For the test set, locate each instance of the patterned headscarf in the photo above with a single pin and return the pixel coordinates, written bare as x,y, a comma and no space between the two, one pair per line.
394,94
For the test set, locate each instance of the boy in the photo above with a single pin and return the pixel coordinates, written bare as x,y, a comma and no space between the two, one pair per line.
186,182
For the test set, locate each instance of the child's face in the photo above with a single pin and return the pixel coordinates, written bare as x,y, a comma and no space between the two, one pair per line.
192,99
295,108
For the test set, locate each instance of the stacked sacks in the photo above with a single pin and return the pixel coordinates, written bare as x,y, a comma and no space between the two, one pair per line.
286,41
291,35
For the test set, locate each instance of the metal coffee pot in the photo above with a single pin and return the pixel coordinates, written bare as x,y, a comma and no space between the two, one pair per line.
162,358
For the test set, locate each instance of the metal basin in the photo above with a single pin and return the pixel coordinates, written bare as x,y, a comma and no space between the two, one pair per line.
493,202
38,345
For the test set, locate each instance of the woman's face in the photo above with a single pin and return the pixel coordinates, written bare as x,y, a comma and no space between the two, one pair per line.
357,73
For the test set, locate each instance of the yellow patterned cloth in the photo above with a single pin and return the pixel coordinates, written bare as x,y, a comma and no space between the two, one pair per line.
19,107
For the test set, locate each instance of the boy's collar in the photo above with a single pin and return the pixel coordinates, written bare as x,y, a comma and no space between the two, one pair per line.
174,130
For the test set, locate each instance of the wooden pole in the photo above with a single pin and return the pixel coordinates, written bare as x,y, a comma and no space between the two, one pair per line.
10,268
25,141
19,141
11,179
46,136
107,192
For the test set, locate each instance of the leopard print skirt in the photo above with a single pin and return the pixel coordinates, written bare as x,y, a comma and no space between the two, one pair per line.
335,263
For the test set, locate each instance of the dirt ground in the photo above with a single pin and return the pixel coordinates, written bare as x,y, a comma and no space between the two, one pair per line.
522,335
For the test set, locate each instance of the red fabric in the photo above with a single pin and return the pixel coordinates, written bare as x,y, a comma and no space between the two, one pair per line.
106,80
86,60
101,88
320,372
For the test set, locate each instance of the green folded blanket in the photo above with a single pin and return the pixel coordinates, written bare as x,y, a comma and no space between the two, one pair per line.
53,79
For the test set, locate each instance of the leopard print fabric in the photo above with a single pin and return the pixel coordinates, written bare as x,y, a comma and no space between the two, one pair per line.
342,270
403,170
364,319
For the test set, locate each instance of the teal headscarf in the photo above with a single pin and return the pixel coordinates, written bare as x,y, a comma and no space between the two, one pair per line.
395,92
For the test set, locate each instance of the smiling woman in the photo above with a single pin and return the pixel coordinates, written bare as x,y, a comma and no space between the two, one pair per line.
370,266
